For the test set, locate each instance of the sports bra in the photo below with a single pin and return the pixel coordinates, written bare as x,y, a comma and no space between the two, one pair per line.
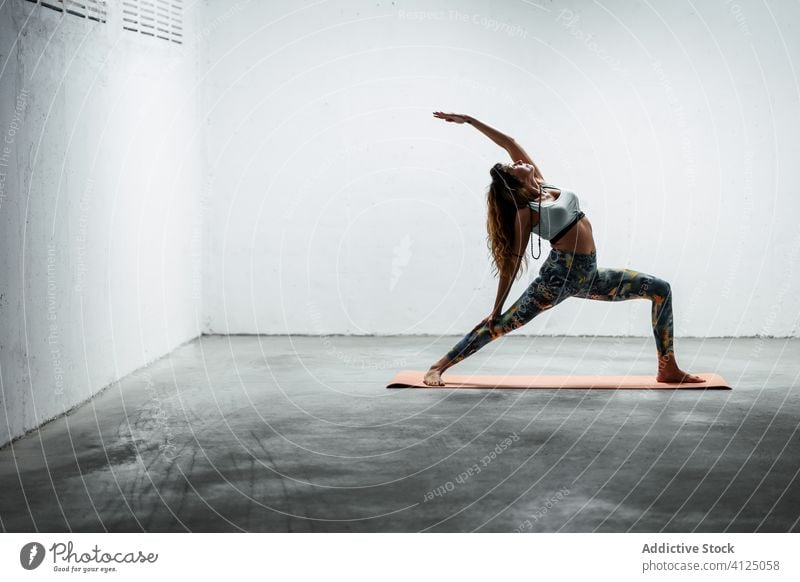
558,216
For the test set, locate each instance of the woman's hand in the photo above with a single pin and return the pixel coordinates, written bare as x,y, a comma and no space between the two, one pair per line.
452,117
490,320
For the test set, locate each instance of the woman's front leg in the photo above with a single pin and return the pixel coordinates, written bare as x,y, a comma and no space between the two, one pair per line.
627,284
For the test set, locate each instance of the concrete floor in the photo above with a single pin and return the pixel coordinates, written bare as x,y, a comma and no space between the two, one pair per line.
299,434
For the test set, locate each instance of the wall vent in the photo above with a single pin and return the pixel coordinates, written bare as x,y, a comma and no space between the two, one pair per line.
91,9
161,19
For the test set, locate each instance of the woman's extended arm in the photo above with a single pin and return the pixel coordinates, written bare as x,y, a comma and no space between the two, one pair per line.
504,286
504,141
522,231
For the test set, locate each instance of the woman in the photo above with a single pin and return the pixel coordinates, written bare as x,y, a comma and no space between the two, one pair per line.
519,199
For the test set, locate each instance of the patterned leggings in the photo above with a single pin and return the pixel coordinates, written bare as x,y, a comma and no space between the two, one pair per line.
564,275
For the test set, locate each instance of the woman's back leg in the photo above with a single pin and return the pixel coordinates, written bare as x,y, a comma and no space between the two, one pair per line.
537,298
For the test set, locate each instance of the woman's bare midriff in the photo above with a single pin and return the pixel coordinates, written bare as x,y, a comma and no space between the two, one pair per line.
579,239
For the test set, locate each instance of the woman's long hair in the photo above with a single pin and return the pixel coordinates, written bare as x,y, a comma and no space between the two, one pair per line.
505,193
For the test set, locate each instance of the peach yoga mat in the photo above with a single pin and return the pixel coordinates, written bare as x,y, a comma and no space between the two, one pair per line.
413,379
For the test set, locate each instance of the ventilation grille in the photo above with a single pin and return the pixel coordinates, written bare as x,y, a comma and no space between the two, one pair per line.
156,18
91,9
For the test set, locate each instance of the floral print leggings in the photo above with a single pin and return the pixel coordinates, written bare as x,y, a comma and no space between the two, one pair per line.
565,275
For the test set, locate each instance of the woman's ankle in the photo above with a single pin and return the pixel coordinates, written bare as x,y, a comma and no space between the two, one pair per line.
667,362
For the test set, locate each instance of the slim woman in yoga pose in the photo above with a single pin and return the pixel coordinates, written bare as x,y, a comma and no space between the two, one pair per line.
519,199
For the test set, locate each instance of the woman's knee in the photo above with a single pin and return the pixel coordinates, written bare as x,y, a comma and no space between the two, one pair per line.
661,287
655,287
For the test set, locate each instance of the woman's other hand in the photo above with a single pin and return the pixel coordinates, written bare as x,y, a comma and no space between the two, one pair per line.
490,321
452,117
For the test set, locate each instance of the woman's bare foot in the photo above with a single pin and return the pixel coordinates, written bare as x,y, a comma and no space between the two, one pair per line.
670,372
433,377
678,377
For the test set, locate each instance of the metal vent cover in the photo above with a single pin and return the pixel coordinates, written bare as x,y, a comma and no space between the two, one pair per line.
154,18
92,9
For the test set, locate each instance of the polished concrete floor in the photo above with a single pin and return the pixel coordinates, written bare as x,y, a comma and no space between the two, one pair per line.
299,434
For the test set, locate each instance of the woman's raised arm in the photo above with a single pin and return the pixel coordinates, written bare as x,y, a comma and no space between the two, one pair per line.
504,141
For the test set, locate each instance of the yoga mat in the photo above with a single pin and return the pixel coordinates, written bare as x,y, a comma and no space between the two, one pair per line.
413,379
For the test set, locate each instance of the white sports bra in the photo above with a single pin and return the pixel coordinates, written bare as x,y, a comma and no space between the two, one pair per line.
558,216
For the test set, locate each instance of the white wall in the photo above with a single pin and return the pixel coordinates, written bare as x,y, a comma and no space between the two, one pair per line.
338,204
290,174
99,214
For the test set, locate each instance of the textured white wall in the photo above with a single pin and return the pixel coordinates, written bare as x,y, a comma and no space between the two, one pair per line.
338,204
312,191
99,207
